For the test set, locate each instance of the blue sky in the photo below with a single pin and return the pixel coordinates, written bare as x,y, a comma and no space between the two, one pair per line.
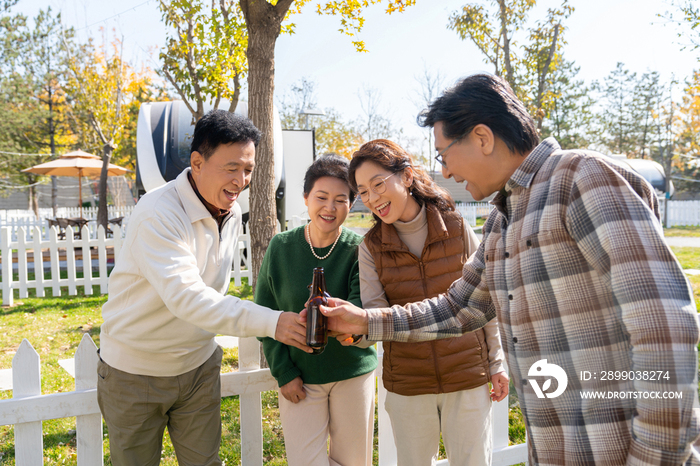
600,34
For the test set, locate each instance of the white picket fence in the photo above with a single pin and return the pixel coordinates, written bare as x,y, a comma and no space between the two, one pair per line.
89,213
16,219
28,408
97,255
470,211
680,213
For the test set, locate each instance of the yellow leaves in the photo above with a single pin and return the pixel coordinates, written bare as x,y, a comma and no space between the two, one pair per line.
359,46
526,67
350,12
103,87
207,54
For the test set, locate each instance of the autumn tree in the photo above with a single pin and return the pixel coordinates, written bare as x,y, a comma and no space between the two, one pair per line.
571,115
527,68
10,24
204,57
33,75
646,95
102,85
373,122
688,145
667,134
629,117
616,116
264,23
687,12
332,132
300,97
430,85
148,87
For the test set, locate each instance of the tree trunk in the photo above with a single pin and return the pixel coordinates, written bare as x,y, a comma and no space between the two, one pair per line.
33,198
506,44
102,213
542,79
52,134
263,21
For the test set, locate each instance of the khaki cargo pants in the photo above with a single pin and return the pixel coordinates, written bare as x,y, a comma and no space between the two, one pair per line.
137,409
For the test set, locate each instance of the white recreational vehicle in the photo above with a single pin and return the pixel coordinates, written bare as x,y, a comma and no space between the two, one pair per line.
163,138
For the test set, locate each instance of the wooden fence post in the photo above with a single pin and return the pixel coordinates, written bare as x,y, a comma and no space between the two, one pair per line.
38,263
102,259
87,260
89,426
26,381
7,273
251,405
499,421
55,264
387,446
70,262
22,262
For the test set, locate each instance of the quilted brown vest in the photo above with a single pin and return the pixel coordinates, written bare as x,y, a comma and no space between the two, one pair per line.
440,366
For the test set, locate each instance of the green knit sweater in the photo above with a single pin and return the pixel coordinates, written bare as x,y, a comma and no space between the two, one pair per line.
285,274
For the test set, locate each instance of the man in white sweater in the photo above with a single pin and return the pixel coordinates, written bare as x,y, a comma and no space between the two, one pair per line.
159,363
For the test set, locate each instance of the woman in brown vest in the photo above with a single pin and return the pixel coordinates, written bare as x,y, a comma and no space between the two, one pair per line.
414,251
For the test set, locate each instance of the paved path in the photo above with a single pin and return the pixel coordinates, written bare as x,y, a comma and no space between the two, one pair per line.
683,241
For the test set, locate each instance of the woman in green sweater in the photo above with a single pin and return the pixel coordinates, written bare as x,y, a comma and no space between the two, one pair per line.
329,394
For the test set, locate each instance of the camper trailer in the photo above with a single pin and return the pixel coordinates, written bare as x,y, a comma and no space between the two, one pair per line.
163,138
651,171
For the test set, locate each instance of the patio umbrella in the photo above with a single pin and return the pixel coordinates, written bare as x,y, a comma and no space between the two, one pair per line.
76,163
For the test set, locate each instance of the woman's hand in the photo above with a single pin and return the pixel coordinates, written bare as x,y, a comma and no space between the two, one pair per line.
346,339
294,390
500,386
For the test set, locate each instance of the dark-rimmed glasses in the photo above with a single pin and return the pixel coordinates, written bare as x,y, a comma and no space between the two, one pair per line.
441,154
377,186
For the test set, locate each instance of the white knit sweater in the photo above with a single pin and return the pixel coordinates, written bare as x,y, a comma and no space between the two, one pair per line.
167,291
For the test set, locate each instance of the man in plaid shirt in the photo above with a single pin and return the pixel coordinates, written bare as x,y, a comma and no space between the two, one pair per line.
597,319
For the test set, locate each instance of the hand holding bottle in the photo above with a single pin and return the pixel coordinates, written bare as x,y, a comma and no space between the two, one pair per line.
316,322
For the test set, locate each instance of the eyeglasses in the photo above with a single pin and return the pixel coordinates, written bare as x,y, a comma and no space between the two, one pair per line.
441,154
377,186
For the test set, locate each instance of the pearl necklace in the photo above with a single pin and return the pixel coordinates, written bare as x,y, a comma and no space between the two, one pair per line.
308,238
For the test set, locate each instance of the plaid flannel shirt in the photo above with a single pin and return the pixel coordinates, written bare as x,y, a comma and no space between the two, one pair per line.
574,265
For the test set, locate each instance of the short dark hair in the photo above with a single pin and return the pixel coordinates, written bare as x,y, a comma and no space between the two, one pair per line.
328,165
221,127
483,99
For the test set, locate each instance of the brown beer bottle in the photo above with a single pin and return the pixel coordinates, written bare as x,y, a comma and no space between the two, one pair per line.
317,323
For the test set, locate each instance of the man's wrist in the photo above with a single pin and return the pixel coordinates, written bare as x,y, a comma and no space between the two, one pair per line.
379,322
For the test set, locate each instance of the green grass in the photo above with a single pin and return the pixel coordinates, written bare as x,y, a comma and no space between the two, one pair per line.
691,231
690,259
365,220
359,220
687,256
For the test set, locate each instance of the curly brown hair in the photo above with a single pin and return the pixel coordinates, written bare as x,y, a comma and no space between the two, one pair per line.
395,159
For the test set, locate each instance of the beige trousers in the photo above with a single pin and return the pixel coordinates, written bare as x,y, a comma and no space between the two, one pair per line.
343,411
138,408
463,417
